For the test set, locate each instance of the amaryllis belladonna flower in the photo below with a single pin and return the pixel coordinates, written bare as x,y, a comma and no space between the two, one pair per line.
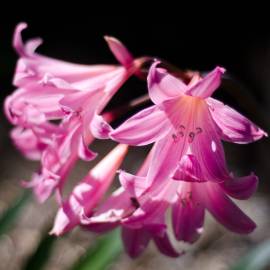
57,105
187,169
120,206
187,127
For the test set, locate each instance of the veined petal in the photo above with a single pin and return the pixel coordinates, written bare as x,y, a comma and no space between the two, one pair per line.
205,145
145,127
162,85
187,214
153,204
120,52
34,66
88,193
112,210
206,86
241,188
224,210
134,185
137,184
188,170
234,127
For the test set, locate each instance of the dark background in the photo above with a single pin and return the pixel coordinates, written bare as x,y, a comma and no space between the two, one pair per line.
241,46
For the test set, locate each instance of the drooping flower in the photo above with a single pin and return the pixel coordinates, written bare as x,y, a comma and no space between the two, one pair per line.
88,193
51,91
187,169
187,127
189,199
121,205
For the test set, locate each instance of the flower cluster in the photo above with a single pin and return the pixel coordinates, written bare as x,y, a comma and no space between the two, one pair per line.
58,110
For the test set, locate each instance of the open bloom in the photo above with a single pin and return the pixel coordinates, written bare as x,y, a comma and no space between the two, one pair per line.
87,194
120,206
57,105
189,200
187,127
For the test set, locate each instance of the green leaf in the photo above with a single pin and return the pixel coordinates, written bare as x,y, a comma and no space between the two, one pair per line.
103,254
40,257
257,259
12,213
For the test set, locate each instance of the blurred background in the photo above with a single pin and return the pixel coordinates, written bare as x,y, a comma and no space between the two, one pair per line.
244,50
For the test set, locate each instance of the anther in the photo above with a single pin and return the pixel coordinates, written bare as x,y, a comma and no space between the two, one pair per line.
191,137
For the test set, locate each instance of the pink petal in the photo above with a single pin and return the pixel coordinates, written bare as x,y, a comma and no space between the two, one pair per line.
188,170
33,66
224,210
164,245
137,184
111,211
145,127
234,126
28,143
162,85
241,187
120,52
135,241
134,185
100,128
84,152
207,148
89,192
166,155
188,218
29,48
206,86
153,204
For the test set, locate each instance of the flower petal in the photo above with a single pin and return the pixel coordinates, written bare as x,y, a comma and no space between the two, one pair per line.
31,45
115,207
145,127
120,52
206,86
206,146
86,195
188,218
134,185
234,127
241,188
162,85
188,169
135,241
100,128
224,210
164,245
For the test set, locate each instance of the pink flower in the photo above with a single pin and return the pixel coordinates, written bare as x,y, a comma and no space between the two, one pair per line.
88,193
121,205
189,200
187,169
187,127
57,105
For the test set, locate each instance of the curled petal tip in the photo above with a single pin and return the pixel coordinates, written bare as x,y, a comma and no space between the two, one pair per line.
221,69
120,52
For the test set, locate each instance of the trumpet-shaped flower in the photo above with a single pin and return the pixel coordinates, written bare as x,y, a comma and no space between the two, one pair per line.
121,205
187,127
57,105
88,193
189,200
